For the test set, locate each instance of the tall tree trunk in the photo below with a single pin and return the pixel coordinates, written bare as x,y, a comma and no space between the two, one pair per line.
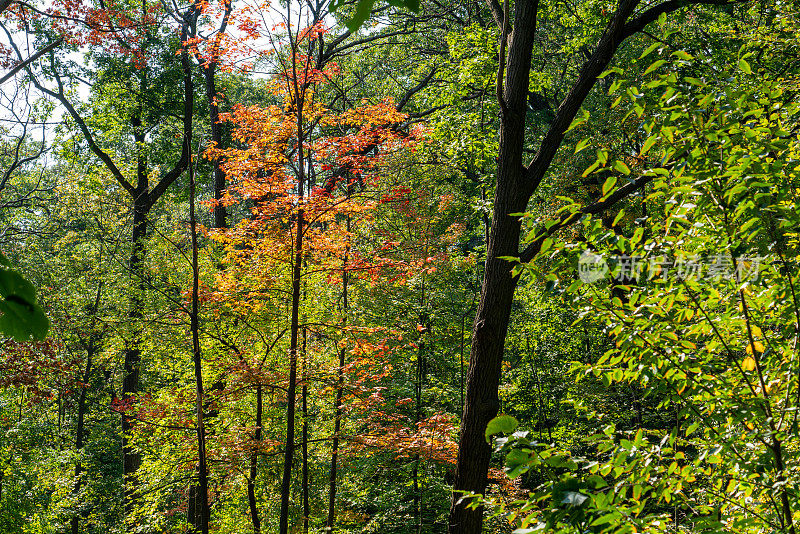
306,507
497,292
220,212
294,328
142,199
337,408
210,77
92,345
461,362
131,459
291,394
208,67
515,185
251,479
420,381
79,431
202,466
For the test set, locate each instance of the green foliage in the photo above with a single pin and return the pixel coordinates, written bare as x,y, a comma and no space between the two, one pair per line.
700,302
363,10
22,318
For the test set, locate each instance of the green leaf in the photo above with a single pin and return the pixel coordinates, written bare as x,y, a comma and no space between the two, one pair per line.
648,144
364,10
609,184
579,120
616,84
22,320
591,168
680,54
12,283
654,65
502,423
649,50
581,145
745,66
612,70
362,13
607,518
620,166
412,5
695,81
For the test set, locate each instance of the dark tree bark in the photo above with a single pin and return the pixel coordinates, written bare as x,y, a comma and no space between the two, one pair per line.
337,408
294,326
515,185
291,394
131,459
209,70
80,431
23,64
204,516
306,504
251,479
220,212
419,385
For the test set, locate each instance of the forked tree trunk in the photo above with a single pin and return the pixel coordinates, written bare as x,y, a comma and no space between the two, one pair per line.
515,185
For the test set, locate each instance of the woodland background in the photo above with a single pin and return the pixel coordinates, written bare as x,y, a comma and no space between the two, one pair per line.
303,267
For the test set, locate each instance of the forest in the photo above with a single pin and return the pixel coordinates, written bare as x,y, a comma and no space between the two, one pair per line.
399,266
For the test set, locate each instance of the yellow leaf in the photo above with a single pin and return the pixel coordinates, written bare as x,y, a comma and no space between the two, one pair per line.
748,364
756,331
758,346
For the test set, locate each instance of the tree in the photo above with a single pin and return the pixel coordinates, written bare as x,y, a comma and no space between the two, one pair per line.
516,183
708,319
286,155
135,40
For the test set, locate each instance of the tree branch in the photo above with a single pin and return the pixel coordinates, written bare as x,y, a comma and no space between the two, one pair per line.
34,57
639,22
87,134
497,12
618,29
189,24
597,63
414,90
592,209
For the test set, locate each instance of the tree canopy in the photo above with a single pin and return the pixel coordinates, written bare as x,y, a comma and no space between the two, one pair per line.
411,266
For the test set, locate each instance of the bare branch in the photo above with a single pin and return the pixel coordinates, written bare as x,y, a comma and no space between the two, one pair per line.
30,60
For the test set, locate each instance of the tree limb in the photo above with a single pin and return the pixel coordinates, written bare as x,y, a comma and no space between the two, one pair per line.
23,64
497,12
61,97
592,209
619,29
187,31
